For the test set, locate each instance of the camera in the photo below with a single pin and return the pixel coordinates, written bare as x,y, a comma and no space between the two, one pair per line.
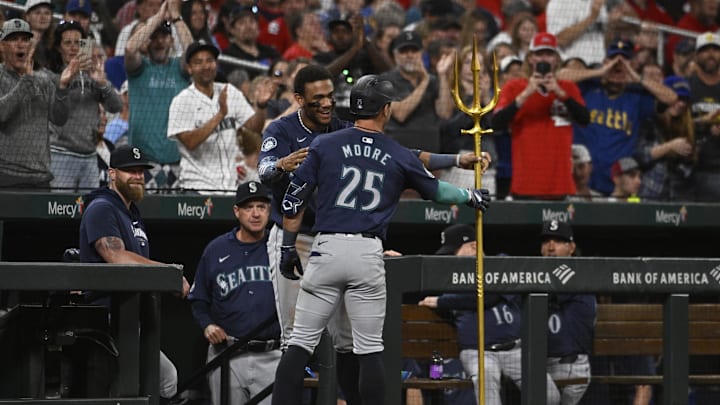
543,68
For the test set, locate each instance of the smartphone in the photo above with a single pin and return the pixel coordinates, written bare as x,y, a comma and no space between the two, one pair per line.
543,68
86,47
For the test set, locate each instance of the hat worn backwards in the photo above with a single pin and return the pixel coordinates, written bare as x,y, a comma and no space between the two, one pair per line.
557,230
453,237
252,190
127,156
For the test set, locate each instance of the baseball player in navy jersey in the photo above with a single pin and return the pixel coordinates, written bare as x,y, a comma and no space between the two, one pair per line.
112,231
285,145
232,294
359,174
503,322
571,320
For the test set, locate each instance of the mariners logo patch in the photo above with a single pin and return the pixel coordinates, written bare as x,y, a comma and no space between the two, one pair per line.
269,144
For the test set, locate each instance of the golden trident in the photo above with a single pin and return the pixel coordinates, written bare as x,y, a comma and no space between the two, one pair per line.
476,111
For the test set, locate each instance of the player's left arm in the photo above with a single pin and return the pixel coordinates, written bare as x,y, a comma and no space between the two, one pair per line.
193,138
437,161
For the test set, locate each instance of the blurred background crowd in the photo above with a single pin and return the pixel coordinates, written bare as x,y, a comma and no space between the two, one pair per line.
605,100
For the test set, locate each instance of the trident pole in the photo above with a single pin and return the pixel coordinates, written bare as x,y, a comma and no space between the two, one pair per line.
476,111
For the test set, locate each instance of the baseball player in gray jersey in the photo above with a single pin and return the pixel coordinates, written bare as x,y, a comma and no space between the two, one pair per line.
359,174
285,145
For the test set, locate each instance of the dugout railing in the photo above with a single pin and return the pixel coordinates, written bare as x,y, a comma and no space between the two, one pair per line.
135,312
535,278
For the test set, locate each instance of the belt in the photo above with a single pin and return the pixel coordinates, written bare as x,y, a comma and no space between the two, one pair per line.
569,359
502,347
259,346
363,234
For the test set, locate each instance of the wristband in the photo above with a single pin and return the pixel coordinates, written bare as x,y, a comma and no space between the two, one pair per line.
441,161
289,238
457,160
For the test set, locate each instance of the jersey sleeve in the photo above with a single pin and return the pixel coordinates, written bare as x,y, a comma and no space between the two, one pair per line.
417,176
200,293
308,169
101,222
181,115
275,145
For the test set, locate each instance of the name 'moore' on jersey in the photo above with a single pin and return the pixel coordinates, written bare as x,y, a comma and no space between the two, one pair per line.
359,177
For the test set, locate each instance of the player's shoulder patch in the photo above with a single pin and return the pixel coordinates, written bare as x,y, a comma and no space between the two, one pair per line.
269,144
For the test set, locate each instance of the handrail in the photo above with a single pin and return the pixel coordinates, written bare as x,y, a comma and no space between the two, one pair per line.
222,359
662,29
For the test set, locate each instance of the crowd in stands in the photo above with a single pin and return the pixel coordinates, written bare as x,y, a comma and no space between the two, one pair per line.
584,90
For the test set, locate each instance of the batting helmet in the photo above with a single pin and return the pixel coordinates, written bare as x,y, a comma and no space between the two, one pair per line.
369,95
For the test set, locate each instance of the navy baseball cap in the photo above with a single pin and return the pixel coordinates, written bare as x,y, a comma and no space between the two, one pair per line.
621,47
165,27
126,156
453,237
407,39
198,46
369,95
556,230
82,6
242,11
680,86
252,190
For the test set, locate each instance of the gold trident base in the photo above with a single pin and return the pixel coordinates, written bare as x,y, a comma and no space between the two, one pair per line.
476,111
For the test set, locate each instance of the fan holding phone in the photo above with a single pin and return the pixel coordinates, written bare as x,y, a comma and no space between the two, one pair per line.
79,63
539,111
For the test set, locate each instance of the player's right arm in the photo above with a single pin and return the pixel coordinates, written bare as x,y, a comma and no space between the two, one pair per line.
112,250
450,194
276,155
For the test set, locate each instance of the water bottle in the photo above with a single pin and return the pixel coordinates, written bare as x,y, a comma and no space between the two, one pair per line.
436,366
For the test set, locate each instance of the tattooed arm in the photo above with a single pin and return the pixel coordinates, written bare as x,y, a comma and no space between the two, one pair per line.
112,249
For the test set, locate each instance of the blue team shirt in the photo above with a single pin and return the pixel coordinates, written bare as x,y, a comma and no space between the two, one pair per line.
106,215
233,279
571,321
282,137
359,177
613,130
502,321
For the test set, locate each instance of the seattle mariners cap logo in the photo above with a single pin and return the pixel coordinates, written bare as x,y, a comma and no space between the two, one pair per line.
253,187
554,225
136,153
359,104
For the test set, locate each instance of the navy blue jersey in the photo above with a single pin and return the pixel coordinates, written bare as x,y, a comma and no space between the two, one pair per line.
282,137
359,176
571,322
106,215
233,281
503,318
